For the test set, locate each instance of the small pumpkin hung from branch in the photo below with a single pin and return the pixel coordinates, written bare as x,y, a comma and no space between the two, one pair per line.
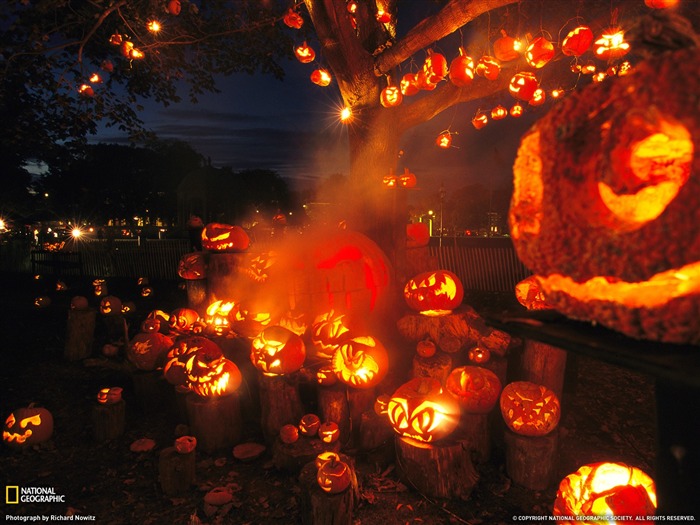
612,230
577,41
475,388
462,69
27,426
218,237
529,409
361,362
505,48
277,351
423,410
192,266
605,489
436,292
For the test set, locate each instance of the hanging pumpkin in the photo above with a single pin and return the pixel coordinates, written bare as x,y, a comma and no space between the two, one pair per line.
611,229
539,52
277,351
444,139
577,41
293,19
499,112
407,179
462,69
148,350
361,362
435,67
529,409
488,67
192,266
417,235
328,331
505,48
423,81
304,53
480,120
475,388
421,409
523,85
408,85
434,293
174,7
390,180
391,96
320,77
605,489
27,426
611,45
334,476
218,237
538,97
516,111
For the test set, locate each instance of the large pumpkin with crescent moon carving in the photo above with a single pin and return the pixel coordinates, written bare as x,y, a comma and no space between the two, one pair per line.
606,201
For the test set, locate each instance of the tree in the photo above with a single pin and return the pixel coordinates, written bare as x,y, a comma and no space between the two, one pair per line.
52,47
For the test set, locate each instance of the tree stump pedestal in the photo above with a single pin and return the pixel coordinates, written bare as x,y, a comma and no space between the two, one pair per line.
108,420
293,456
215,421
439,470
437,366
280,404
532,461
319,507
80,334
176,472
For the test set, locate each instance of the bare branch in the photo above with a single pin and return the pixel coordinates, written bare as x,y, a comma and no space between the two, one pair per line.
95,27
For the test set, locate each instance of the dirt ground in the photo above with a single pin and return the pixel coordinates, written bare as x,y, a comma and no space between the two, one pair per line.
608,414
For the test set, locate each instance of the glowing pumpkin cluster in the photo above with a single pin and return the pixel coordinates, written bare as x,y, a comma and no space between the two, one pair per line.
434,293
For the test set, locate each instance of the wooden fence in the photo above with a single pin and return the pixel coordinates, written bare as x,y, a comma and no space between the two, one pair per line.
488,265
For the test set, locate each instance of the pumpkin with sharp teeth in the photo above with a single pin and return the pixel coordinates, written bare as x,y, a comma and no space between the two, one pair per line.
436,292
361,362
606,202
218,237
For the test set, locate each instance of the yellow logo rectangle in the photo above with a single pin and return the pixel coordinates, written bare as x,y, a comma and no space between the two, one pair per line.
11,494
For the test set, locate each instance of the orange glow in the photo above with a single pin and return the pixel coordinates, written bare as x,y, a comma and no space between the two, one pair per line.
304,53
95,78
345,114
480,120
217,315
499,112
153,26
611,45
86,90
444,140
321,77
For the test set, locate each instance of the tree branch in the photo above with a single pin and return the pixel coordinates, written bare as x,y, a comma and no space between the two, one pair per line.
454,15
95,27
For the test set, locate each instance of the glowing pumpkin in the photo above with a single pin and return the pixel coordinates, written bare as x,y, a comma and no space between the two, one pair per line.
611,44
293,19
523,85
183,320
334,476
577,41
320,77
421,409
192,266
329,432
328,332
26,427
539,52
529,409
462,69
417,234
475,388
304,53
309,424
488,67
612,229
435,67
361,362
211,378
390,96
218,237
148,350
277,351
184,349
434,293
408,85
505,48
605,490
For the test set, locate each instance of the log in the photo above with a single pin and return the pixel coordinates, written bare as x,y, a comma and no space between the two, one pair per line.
376,440
115,328
544,364
197,294
437,366
108,420
440,470
532,461
293,456
280,404
215,421
333,406
80,334
360,400
321,508
475,431
176,472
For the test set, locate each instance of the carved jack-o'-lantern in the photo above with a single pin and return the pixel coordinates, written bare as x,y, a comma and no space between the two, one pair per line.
421,409
217,237
523,85
361,362
148,350
577,41
529,293
304,53
462,69
109,396
192,266
479,355
294,321
183,319
334,476
42,301
289,434
110,305
539,52
217,377
185,444
434,293
328,331
538,97
529,409
277,351
612,228
293,19
391,96
251,319
506,48
605,490
476,389
217,316
435,67
488,67
480,120
329,432
309,424
407,179
408,85
320,77
499,112
184,348
444,139
611,44
27,426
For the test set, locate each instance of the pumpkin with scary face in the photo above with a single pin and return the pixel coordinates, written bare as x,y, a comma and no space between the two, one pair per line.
474,387
434,293
611,225
361,362
277,351
27,426
328,331
217,237
148,350
192,266
183,320
423,410
209,373
529,409
184,349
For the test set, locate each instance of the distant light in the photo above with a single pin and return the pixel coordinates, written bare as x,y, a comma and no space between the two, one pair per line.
76,233
2,225
154,26
345,114
430,212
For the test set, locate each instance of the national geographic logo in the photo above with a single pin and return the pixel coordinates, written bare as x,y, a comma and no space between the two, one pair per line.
15,494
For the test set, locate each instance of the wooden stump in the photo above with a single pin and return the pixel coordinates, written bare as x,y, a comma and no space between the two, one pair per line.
115,328
544,364
293,456
223,276
80,334
152,392
333,406
376,439
475,431
176,472
197,294
215,421
108,420
532,461
321,508
359,402
280,404
438,366
441,470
